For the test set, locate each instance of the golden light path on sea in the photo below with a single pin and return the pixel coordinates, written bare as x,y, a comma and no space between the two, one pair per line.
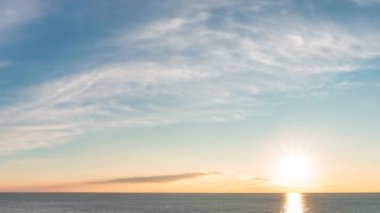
293,203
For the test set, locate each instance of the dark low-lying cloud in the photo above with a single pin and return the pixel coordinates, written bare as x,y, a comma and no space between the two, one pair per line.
156,179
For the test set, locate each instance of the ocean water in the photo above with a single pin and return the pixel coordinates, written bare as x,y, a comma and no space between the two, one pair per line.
260,203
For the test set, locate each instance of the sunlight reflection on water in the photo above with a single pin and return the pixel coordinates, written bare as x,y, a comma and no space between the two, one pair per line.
293,203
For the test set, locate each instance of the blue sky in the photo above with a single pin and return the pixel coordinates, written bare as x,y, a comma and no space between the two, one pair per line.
216,77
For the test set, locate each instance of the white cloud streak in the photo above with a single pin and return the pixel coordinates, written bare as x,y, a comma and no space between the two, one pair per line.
15,13
142,94
366,2
4,64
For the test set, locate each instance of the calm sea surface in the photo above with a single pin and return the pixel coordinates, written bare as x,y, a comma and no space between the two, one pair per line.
260,203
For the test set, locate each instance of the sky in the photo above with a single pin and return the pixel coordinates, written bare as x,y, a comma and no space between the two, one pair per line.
189,96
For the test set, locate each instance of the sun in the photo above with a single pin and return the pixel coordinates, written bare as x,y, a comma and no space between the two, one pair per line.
294,170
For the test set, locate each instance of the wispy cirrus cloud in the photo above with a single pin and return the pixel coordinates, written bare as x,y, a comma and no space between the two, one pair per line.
119,95
14,14
284,44
195,65
4,64
366,2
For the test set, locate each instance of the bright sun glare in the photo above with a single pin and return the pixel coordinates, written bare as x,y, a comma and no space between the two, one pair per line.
294,170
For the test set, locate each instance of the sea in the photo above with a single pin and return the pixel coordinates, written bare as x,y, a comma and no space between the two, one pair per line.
186,202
